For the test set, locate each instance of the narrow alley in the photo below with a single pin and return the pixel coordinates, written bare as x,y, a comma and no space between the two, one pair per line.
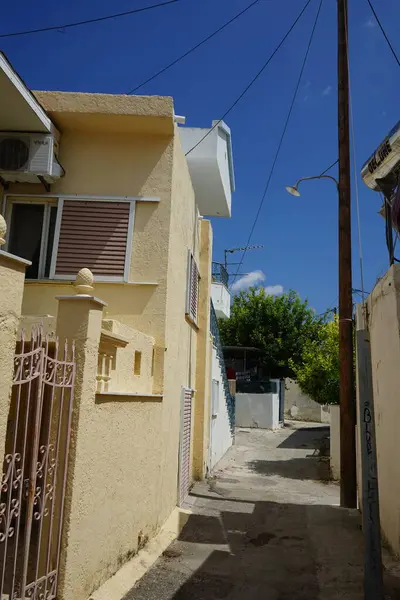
267,525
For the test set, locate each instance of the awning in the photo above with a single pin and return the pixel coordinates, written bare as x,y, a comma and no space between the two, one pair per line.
19,109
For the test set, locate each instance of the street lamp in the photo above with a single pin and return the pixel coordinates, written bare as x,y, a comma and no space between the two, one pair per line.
294,191
347,405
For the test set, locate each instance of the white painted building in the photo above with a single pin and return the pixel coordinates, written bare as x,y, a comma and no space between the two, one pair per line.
221,437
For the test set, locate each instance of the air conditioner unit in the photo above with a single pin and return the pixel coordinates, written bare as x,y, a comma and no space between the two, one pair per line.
384,164
26,156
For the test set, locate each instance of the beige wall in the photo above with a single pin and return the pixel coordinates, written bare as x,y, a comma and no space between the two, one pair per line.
120,165
201,432
181,336
117,361
384,321
12,276
126,457
112,497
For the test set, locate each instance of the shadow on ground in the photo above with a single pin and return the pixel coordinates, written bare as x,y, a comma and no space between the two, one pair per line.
268,552
311,467
306,437
314,466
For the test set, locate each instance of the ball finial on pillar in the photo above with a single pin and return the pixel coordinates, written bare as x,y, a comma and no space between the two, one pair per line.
84,282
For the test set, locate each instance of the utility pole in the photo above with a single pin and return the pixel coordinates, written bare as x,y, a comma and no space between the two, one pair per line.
348,477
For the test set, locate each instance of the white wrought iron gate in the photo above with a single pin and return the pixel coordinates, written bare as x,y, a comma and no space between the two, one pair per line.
185,444
35,469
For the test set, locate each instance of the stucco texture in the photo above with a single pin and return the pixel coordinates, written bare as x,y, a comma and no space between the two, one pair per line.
384,320
12,276
201,427
122,367
125,450
180,335
111,497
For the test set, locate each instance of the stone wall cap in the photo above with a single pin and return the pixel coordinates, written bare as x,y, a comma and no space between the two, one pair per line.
76,297
14,258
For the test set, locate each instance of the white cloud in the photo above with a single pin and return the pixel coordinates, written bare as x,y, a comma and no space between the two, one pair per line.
327,90
245,282
370,23
274,290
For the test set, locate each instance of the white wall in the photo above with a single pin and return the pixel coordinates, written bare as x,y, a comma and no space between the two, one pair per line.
300,407
220,432
257,410
221,299
209,168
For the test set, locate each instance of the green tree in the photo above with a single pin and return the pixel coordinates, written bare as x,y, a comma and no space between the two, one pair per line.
318,372
277,325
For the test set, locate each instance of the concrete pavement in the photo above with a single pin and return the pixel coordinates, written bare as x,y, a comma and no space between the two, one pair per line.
266,526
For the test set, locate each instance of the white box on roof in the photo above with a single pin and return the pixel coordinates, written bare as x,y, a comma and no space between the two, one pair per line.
211,167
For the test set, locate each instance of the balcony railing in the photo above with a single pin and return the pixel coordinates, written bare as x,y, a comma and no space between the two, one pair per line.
220,274
230,400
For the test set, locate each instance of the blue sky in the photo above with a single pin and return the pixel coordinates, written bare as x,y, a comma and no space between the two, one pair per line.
299,234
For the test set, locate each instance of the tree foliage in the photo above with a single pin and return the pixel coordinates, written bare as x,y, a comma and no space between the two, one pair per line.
279,326
318,372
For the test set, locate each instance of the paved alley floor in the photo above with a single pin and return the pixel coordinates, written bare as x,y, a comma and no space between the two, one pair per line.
266,526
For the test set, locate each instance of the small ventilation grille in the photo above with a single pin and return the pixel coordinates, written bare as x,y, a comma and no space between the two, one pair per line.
14,154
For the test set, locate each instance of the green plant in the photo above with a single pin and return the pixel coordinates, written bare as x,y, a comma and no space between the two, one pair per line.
318,372
279,326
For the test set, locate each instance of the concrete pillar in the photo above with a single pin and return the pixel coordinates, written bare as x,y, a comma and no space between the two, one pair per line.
12,279
79,319
335,442
201,436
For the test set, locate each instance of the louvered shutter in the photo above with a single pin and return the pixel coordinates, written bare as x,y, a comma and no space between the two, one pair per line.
192,289
93,234
185,444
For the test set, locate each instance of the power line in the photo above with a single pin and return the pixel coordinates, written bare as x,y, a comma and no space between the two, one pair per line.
174,62
87,21
329,168
353,139
384,32
253,80
282,137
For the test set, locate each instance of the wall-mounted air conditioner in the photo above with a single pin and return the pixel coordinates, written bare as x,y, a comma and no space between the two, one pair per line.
26,156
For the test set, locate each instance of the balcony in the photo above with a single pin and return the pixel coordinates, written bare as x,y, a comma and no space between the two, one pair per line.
211,167
219,291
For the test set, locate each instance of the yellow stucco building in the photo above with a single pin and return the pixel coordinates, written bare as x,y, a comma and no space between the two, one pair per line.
113,185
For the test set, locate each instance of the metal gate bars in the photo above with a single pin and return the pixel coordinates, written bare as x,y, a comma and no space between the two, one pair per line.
35,469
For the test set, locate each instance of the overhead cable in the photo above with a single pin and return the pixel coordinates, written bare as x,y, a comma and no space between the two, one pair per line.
355,174
384,32
281,138
330,167
244,92
174,62
87,21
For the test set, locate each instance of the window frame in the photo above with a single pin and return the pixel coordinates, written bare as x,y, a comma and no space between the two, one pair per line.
58,200
44,239
189,279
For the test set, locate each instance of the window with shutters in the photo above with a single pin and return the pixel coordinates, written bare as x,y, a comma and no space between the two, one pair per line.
63,235
192,294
